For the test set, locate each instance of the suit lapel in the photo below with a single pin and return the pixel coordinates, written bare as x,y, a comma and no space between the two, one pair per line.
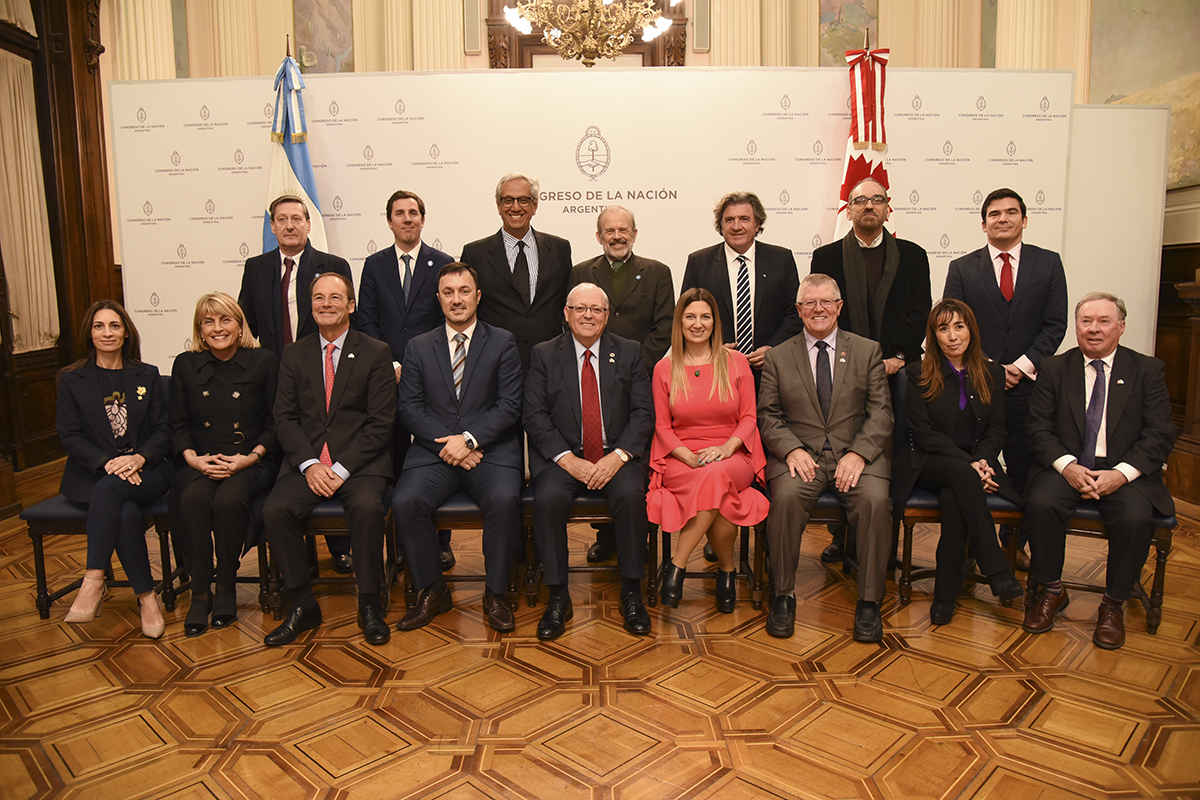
570,377
392,277
136,401
91,399
633,277
312,371
891,265
724,297
474,353
804,369
498,260
423,271
839,362
345,370
1075,388
608,365
987,278
547,264
1026,271
441,354
1120,384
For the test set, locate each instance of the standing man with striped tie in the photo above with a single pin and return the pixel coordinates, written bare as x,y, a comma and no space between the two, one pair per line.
460,395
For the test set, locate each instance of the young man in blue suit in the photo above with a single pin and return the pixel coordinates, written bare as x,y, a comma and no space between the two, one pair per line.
460,395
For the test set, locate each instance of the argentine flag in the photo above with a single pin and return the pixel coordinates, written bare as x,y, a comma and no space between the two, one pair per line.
291,167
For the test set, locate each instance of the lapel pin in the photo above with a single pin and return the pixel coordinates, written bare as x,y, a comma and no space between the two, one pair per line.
841,360
349,355
637,277
236,395
429,263
1120,380
205,393
141,392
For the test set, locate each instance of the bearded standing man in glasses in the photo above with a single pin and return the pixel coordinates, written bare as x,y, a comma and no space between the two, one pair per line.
523,273
884,283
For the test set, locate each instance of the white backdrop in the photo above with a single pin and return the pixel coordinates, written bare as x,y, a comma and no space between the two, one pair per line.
191,162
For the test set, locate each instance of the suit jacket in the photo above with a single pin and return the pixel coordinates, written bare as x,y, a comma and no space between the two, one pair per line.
646,308
1138,423
382,312
86,433
227,411
502,305
489,405
860,410
902,300
553,406
931,429
358,424
775,285
1034,322
260,293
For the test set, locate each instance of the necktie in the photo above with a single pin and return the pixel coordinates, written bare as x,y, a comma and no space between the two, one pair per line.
1006,282
325,459
593,433
824,378
521,273
406,275
743,319
1095,411
285,312
458,361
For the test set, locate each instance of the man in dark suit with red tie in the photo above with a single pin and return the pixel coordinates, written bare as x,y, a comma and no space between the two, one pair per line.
589,414
523,273
275,299
334,411
1100,429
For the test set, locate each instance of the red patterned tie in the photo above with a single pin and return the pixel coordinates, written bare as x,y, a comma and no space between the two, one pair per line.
285,311
325,459
1006,283
593,433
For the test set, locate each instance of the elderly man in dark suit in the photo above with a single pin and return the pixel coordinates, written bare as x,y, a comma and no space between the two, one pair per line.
1100,429
334,410
523,273
589,415
275,299
641,293
825,414
460,395
1018,293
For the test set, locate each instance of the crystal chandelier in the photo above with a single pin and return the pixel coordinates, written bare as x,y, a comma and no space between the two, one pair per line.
589,29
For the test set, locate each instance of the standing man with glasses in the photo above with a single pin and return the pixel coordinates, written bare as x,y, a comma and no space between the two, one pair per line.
523,273
885,291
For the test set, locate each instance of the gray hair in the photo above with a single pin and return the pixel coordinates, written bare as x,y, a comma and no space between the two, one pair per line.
578,286
1093,296
600,217
815,279
534,186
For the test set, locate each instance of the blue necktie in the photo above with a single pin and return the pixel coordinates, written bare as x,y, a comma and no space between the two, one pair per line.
1095,411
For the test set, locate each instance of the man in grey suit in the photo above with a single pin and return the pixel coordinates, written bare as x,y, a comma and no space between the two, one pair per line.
641,294
825,414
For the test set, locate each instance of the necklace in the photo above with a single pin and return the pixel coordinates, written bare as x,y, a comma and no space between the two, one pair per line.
702,362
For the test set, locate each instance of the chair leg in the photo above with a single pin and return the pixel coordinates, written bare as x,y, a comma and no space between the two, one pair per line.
906,565
168,572
1162,547
652,566
39,570
533,572
264,578
756,575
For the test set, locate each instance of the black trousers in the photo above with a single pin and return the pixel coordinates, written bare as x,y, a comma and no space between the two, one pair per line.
115,523
965,522
554,489
1127,514
497,491
289,504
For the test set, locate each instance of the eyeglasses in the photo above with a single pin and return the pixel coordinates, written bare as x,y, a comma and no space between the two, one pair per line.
862,200
523,202
809,305
595,311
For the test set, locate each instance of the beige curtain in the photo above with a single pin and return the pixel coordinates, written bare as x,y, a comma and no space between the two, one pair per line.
19,13
24,227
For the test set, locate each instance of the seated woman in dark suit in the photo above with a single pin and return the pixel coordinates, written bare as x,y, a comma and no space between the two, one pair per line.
222,391
955,412
112,421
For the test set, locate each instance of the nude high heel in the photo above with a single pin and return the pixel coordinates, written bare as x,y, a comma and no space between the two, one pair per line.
81,613
151,630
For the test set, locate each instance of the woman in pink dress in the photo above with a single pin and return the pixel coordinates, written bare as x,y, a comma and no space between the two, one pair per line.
706,451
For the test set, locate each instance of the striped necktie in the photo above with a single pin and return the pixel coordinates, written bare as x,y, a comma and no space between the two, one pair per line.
458,361
743,319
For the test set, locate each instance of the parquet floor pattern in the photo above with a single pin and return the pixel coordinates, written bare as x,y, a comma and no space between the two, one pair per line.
707,706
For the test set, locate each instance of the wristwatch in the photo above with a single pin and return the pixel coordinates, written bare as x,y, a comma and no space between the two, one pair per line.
470,440
621,454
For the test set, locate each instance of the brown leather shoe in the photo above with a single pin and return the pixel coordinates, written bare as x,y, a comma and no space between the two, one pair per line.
497,612
1022,564
1046,607
1110,625
430,603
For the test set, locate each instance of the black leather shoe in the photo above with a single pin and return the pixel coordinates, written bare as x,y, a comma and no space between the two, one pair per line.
1006,587
781,621
710,555
196,622
342,564
374,629
224,611
297,621
497,612
671,585
554,621
833,554
601,552
448,559
868,625
941,612
430,603
726,591
637,620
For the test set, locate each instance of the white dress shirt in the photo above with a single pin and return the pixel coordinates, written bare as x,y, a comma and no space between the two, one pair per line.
1130,472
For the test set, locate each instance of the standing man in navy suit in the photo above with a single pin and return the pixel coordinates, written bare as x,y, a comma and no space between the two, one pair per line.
275,299
1019,295
460,395
523,273
589,414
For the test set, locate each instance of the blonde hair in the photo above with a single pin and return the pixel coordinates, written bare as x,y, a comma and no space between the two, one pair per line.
722,387
219,304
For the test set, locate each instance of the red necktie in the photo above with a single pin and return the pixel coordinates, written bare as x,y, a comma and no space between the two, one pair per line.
325,459
285,311
1006,284
593,433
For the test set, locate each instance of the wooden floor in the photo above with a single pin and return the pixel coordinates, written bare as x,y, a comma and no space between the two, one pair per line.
707,706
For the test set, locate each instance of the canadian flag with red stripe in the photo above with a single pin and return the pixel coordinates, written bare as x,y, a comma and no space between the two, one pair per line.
866,146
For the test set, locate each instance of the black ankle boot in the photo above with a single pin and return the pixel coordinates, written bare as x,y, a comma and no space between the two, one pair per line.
671,584
726,591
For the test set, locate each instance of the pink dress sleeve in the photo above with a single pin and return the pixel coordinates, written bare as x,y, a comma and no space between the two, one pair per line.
665,440
747,427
